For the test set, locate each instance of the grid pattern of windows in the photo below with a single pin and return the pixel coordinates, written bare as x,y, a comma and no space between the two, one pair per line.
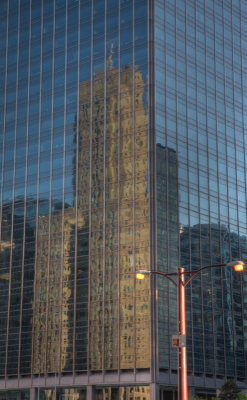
200,111
76,215
74,186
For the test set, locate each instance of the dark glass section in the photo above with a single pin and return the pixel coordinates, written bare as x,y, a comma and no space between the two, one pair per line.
167,244
13,395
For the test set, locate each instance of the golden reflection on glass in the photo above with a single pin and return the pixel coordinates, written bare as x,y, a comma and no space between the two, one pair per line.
134,209
63,394
135,392
123,393
119,222
53,322
40,300
97,222
55,264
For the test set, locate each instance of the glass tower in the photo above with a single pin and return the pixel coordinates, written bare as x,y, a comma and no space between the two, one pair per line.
123,128
200,125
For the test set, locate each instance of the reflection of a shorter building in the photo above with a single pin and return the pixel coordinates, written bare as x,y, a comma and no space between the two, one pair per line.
54,292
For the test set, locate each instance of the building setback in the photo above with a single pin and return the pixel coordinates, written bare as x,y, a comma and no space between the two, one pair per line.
123,128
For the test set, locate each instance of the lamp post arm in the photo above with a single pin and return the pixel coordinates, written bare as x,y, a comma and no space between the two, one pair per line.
168,276
191,273
194,273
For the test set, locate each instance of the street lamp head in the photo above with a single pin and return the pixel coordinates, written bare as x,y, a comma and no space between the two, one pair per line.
141,274
237,265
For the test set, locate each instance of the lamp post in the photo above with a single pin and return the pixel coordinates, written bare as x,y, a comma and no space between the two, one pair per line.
178,279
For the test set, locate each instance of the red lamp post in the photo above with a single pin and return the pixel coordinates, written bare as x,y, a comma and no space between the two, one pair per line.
181,284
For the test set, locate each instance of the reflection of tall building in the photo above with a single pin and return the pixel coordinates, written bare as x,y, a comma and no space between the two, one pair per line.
119,218
117,197
121,148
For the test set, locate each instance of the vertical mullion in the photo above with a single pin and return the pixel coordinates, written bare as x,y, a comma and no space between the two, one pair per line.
50,199
24,217
38,175
209,205
199,215
104,206
227,197
188,197
90,205
169,290
4,119
76,195
58,368
210,235
13,197
153,256
177,152
236,205
244,146
134,182
220,235
119,158
3,151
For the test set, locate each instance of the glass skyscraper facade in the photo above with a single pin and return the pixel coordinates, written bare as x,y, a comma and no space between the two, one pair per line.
200,124
123,127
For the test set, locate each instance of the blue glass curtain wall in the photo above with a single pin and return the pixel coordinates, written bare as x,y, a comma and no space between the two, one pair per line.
74,186
200,84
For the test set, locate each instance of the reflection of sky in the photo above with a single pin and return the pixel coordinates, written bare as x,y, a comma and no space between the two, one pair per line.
160,140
